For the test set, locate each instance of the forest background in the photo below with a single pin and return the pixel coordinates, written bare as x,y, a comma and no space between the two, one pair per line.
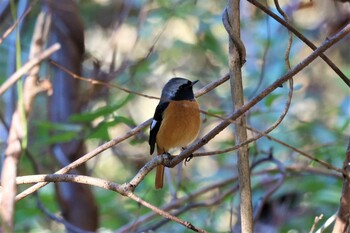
96,70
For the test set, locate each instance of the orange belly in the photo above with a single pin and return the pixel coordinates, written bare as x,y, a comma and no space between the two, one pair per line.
180,125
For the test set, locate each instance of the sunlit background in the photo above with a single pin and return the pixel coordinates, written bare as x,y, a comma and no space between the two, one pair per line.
149,42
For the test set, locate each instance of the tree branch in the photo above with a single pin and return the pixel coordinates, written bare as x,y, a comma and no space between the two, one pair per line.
86,157
29,65
18,129
14,25
302,38
172,162
178,202
121,189
233,116
342,223
236,59
221,126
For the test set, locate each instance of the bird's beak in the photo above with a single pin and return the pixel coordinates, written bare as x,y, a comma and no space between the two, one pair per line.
194,82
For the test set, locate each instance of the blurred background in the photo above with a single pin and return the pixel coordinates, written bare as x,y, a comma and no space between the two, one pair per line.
141,44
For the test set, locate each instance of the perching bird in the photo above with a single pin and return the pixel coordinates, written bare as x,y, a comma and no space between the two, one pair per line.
176,121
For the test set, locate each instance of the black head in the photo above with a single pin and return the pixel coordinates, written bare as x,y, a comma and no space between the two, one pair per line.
178,89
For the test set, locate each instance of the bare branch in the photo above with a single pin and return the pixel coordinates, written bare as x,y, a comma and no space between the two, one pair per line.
274,188
231,21
18,20
121,189
176,203
186,153
303,38
97,82
342,223
212,85
18,129
328,223
233,116
29,65
235,39
206,138
316,221
86,157
260,133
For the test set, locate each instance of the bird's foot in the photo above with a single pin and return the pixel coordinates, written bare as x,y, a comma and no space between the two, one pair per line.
168,155
188,158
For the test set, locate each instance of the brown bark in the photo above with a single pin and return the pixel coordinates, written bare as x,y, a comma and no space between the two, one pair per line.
18,130
343,217
236,61
76,201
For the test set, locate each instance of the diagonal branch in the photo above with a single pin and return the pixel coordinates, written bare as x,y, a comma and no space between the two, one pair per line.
13,27
18,129
28,66
121,189
303,38
222,125
86,157
233,116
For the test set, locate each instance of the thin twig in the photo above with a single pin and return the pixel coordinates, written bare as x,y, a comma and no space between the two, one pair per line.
290,41
212,85
92,81
234,38
183,201
174,204
97,82
18,130
265,132
222,125
273,189
26,67
14,25
187,152
263,58
86,157
316,221
69,226
302,38
177,203
328,223
121,189
260,133
165,214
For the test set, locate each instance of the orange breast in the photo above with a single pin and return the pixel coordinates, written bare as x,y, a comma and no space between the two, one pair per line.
180,125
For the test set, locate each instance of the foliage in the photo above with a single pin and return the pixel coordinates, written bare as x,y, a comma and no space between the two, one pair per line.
151,41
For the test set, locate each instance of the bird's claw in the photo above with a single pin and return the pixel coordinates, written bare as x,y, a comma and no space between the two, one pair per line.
188,159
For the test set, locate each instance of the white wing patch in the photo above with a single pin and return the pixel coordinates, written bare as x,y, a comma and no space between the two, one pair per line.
154,122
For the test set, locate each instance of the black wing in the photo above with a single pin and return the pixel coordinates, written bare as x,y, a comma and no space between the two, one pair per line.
155,125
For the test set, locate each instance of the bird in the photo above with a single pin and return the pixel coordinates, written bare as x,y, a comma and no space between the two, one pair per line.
176,121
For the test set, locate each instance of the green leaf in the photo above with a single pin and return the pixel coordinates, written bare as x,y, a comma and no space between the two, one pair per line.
210,42
101,131
125,120
61,137
103,111
270,99
219,112
46,125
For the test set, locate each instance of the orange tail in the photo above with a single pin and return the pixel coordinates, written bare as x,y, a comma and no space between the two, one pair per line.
159,177
160,171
